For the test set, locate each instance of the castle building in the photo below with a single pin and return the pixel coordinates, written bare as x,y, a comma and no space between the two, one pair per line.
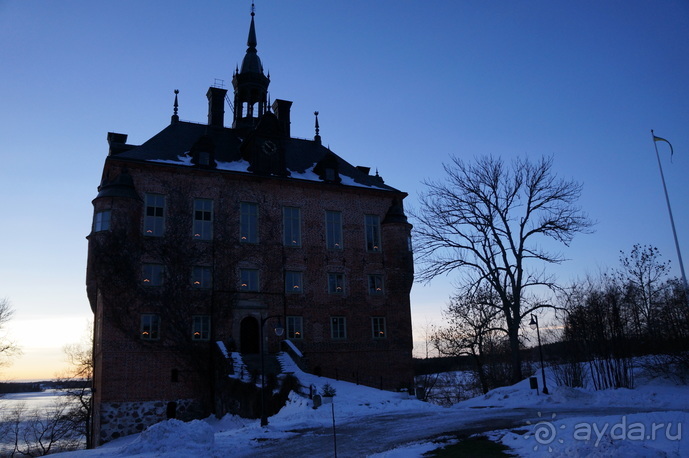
210,233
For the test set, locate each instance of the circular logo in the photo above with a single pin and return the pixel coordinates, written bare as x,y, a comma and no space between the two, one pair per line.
545,432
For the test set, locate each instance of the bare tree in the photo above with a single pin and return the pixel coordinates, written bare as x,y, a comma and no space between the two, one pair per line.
38,432
78,383
489,221
8,348
474,328
644,274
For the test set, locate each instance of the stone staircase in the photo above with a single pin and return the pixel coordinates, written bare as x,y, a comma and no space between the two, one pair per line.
252,361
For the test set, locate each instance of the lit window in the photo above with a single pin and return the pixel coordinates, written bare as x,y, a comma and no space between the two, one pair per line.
153,274
372,233
154,218
101,221
375,284
150,327
201,277
293,282
248,224
248,279
203,219
201,327
292,226
333,230
335,283
378,327
295,327
338,327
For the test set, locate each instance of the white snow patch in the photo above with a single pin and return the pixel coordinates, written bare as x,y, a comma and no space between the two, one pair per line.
174,438
183,159
234,166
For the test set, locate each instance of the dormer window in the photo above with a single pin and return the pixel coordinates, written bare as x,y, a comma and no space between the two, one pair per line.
327,169
202,153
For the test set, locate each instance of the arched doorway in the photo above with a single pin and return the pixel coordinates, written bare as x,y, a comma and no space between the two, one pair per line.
249,336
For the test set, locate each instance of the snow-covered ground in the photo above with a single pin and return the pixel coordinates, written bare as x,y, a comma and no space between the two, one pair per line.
647,421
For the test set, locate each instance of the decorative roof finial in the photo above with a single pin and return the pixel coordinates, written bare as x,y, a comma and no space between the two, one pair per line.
175,117
253,8
317,138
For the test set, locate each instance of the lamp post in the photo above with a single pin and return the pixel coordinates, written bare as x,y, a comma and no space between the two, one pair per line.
278,331
534,325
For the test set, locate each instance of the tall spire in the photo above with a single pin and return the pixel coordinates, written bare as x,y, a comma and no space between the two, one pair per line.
250,84
175,116
251,42
317,138
251,62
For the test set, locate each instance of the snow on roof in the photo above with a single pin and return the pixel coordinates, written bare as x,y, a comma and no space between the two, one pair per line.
243,166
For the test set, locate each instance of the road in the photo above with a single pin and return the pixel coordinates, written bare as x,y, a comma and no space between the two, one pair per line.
379,433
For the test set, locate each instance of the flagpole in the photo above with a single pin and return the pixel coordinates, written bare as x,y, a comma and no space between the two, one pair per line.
669,209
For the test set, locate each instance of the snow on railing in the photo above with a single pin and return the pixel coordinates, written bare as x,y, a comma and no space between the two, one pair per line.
293,347
223,349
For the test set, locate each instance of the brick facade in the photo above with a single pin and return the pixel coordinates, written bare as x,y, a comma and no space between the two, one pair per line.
145,353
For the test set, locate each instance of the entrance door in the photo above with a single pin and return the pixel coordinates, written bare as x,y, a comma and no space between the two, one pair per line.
249,337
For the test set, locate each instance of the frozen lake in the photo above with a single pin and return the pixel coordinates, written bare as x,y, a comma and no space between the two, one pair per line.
32,401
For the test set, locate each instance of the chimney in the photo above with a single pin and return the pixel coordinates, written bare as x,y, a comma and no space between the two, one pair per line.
216,106
281,109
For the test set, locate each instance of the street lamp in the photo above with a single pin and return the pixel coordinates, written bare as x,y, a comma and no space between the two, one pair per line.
534,325
279,330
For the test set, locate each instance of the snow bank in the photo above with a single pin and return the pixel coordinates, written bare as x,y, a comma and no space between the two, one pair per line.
174,438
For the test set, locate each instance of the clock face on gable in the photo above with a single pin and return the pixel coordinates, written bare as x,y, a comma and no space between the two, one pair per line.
269,147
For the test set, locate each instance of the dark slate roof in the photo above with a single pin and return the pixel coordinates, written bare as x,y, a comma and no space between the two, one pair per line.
173,143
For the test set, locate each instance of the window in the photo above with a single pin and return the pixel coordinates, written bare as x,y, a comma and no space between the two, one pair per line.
372,223
201,277
375,284
201,327
378,327
153,274
292,226
295,327
101,221
293,282
248,224
154,219
203,219
333,230
338,327
150,327
248,279
335,283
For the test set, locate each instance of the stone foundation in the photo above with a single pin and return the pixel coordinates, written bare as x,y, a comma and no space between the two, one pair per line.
118,419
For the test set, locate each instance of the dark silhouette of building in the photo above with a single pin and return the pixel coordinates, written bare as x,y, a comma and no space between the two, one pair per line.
205,233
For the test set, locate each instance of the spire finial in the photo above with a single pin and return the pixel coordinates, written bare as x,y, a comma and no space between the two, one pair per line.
317,138
175,117
253,8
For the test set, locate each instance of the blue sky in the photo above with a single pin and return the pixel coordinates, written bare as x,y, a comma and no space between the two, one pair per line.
400,86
